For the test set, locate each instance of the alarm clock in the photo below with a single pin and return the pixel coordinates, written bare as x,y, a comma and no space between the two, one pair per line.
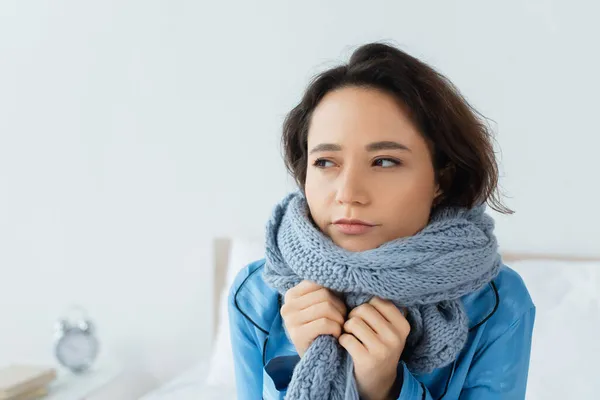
76,345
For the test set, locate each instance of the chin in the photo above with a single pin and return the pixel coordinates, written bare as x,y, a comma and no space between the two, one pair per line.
356,243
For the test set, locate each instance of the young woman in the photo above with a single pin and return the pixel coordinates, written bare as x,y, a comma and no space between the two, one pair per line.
382,278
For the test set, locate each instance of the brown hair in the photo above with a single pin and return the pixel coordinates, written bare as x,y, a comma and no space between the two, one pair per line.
461,144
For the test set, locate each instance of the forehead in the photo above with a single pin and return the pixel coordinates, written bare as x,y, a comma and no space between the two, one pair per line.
360,115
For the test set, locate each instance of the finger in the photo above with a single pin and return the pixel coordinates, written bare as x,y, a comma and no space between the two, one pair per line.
353,346
389,335
322,326
301,289
391,313
318,296
318,311
359,328
368,313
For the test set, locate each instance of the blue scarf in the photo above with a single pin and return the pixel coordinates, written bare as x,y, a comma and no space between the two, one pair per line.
427,274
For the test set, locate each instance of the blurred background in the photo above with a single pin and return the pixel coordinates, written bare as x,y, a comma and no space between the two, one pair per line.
133,133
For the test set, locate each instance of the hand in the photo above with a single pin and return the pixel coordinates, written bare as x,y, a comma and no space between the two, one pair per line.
375,336
310,310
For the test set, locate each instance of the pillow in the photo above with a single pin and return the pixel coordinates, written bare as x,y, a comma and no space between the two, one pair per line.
565,348
242,252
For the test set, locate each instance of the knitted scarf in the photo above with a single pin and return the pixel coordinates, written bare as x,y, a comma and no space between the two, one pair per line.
427,274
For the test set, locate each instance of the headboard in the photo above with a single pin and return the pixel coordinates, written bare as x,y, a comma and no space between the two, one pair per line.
221,248
512,257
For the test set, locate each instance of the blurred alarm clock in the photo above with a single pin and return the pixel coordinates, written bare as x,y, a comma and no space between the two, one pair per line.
76,345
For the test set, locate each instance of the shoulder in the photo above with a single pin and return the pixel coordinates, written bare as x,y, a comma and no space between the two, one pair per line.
511,285
515,300
250,296
501,304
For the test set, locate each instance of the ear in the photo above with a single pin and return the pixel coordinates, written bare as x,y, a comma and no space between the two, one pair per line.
445,175
438,195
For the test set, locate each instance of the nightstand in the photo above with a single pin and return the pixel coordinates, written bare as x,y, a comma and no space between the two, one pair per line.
89,385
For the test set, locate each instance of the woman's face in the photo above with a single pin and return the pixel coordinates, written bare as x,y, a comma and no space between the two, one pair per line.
370,177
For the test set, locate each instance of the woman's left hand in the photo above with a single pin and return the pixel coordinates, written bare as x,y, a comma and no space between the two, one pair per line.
375,335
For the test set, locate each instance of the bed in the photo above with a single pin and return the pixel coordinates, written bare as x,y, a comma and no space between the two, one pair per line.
565,289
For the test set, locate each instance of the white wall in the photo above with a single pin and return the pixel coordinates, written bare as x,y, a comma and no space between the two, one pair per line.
132,132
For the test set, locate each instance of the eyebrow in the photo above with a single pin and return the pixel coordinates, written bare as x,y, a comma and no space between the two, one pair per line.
386,145
375,146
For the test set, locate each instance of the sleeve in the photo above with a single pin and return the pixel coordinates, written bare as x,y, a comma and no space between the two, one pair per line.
499,371
247,356
411,388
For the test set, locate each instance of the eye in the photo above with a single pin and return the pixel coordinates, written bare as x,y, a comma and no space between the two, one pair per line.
323,163
386,162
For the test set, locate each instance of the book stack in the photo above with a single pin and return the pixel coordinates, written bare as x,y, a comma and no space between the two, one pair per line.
25,382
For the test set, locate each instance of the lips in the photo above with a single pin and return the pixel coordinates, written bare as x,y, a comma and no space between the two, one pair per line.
353,226
346,221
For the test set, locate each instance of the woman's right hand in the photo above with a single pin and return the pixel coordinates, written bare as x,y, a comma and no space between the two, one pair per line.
310,310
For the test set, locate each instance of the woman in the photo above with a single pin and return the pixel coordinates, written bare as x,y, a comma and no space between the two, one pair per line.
382,278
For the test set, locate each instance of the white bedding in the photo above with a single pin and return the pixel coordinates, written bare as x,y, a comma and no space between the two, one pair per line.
191,385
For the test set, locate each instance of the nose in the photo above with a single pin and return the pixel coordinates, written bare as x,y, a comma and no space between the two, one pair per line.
351,188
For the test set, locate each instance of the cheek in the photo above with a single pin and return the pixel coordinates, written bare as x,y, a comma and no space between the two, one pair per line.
316,197
311,187
408,204
409,187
